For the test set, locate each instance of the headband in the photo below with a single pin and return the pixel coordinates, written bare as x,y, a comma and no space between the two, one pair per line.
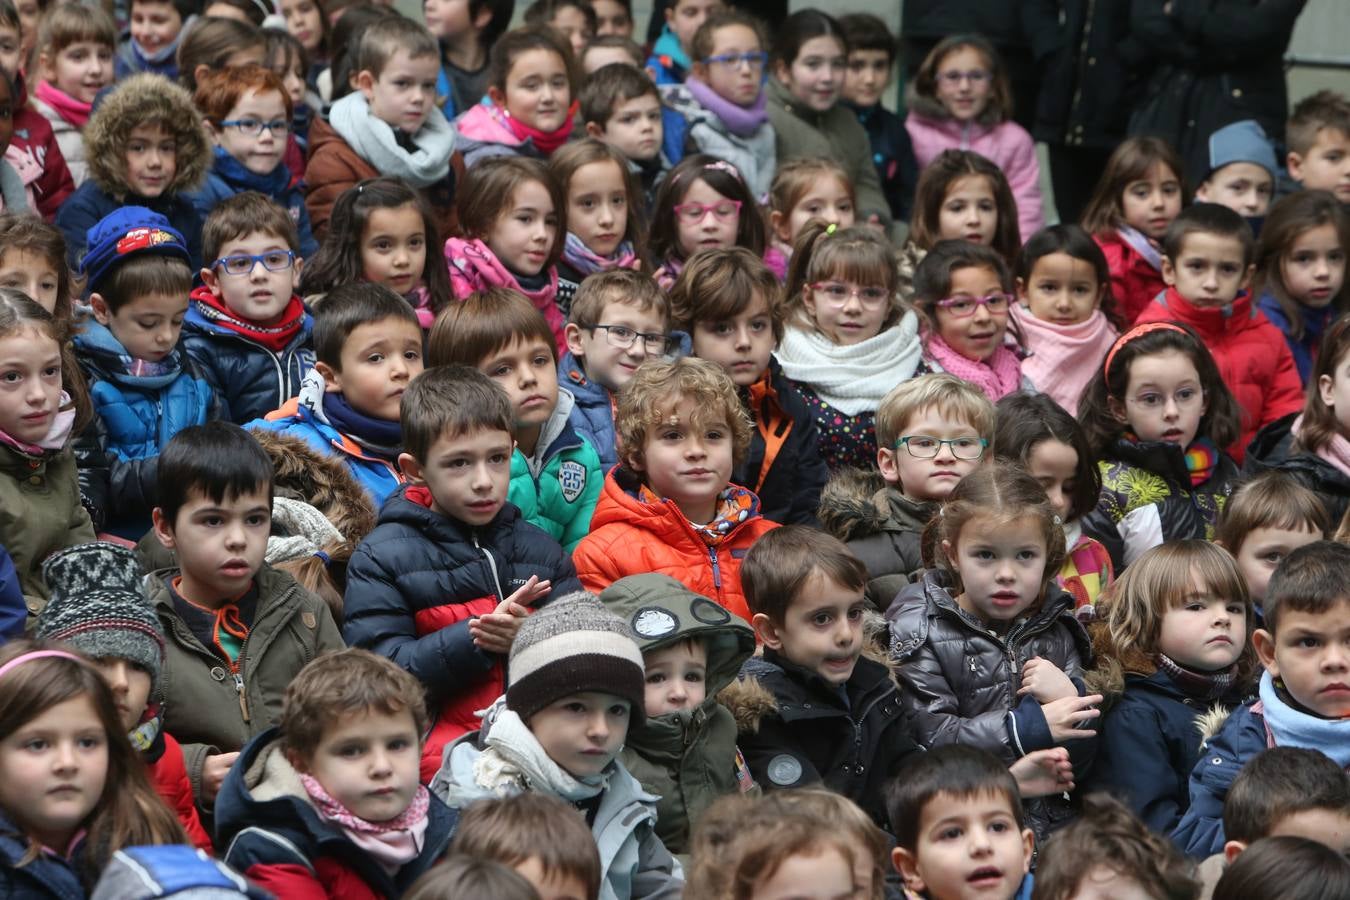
1134,334
720,165
36,654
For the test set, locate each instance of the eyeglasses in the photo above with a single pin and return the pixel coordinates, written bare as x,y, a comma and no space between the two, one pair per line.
1185,398
693,213
255,127
974,76
623,337
243,263
755,61
961,307
837,294
921,446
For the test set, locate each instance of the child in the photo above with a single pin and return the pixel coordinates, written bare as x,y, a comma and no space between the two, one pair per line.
287,59
1172,643
614,19
573,19
1303,701
216,42
465,39
620,106
802,190
248,114
1295,868
701,205
808,59
963,291
730,303
669,506
684,751
670,60
576,689
961,99
146,146
521,120
151,43
813,709
1037,434
99,607
1242,169
308,23
542,837
1065,313
33,260
723,98
1137,197
1156,416
1268,517
14,194
367,348
327,803
515,226
618,320
144,386
1318,136
73,793
932,431
447,577
959,825
611,48
555,473
1300,270
75,62
472,878
237,630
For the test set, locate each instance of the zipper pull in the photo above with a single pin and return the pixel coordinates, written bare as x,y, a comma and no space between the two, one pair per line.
243,701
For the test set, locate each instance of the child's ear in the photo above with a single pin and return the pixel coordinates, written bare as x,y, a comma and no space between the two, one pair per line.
595,130
332,379
1020,285
782,71
1169,272
778,224
1232,850
1326,387
1264,643
365,83
886,464
1028,849
766,632
1247,278
1116,408
572,334
949,551
46,67
651,70
1202,192
102,314
410,467
163,529
484,17
497,96
1294,162
297,762
211,281
907,864
199,73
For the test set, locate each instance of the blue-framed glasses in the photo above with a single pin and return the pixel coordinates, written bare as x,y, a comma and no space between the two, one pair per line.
736,60
255,127
243,263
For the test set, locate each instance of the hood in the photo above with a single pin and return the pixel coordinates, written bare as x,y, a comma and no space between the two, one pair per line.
619,503
667,49
584,391
408,506
483,124
557,434
319,479
237,176
1214,324
847,510
749,701
1274,447
101,350
138,99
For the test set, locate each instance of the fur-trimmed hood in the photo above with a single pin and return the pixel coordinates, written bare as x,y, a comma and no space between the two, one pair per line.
136,100
848,509
1108,677
320,480
749,702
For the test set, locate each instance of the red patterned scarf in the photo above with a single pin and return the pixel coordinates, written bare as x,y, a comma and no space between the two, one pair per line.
273,337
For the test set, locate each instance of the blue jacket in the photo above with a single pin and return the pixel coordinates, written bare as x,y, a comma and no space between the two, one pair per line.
13,611
229,177
90,203
1315,321
1200,832
592,413
46,878
669,64
557,489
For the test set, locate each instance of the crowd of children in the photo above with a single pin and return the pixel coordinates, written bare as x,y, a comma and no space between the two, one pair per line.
441,459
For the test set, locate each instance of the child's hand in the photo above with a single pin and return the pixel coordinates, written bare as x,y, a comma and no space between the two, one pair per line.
1043,773
528,594
1067,713
1045,681
495,631
214,770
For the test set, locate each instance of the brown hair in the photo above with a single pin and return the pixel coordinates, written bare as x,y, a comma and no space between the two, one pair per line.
451,400
69,23
1129,162
717,284
469,878
342,683
1324,109
723,178
502,56
610,85
485,323
1287,221
1272,499
779,563
19,311
611,42
489,188
28,233
1000,106
933,277
246,213
1280,782
1312,579
324,576
220,90
931,192
513,830
795,178
700,46
636,289
658,386
570,157
1291,868
857,254
210,42
145,276
822,805
382,39
1320,425
953,398
1025,421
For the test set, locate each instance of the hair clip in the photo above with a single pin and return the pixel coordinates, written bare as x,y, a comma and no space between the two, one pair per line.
722,165
1058,521
831,228
326,561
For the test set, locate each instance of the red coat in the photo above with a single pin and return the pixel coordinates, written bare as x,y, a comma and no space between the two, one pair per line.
1134,282
1253,358
630,537
35,140
169,775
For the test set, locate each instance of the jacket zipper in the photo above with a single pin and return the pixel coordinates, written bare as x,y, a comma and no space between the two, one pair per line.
717,571
492,567
239,687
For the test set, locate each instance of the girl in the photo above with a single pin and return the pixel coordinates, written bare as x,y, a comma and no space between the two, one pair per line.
33,260
1036,433
75,61
382,233
1172,643
1300,270
1065,311
848,340
216,43
529,111
723,98
703,203
306,22
961,99
604,214
287,57
805,189
808,59
963,291
59,729
1156,415
990,653
515,224
573,19
1137,197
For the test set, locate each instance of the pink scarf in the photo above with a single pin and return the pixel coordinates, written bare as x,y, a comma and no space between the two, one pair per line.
1063,357
56,436
1000,375
473,266
1335,451
76,112
393,844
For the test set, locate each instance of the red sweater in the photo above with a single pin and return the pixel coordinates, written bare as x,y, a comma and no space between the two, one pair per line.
1134,281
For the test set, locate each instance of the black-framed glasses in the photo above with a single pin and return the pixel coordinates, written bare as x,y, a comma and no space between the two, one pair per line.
255,127
243,263
755,61
923,446
623,337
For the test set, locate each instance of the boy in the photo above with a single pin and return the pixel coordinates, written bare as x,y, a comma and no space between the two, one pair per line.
214,512
144,387
576,689
1264,520
669,506
883,523
555,473
826,713
685,750
1318,134
245,326
959,829
466,31
328,803
389,125
670,60
368,348
541,837
1242,169
732,306
610,48
157,27
620,105
609,309
33,151
1304,693
1207,265
444,581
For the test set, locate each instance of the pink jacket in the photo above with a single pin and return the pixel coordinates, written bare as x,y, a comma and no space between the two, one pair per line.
473,266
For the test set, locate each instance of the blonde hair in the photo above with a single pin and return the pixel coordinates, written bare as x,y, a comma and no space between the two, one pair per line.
1273,499
858,254
795,178
636,289
658,386
952,397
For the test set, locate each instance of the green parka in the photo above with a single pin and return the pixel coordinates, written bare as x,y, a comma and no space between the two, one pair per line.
40,513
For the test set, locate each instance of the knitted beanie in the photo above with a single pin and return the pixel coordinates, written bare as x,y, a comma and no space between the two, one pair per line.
301,530
98,605
571,646
126,232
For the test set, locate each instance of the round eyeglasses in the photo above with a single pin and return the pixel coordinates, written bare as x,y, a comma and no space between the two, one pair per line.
837,294
623,337
922,446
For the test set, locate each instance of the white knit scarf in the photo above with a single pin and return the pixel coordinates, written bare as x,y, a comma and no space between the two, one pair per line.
852,378
514,761
373,140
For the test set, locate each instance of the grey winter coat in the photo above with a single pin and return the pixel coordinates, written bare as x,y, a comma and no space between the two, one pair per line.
754,156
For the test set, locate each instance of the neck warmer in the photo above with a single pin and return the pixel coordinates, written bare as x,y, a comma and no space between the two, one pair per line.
374,140
852,379
514,761
96,342
1142,245
1203,685
144,735
735,505
544,141
379,437
273,337
1294,728
55,438
1335,451
76,112
239,177
577,255
393,843
998,376
473,266
1201,458
742,121
1064,358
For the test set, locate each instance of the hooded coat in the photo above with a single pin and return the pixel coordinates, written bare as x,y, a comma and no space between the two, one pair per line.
592,414
48,877
1274,448
753,155
40,513
33,149
228,177
557,488
322,481
1226,746
1134,281
882,527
